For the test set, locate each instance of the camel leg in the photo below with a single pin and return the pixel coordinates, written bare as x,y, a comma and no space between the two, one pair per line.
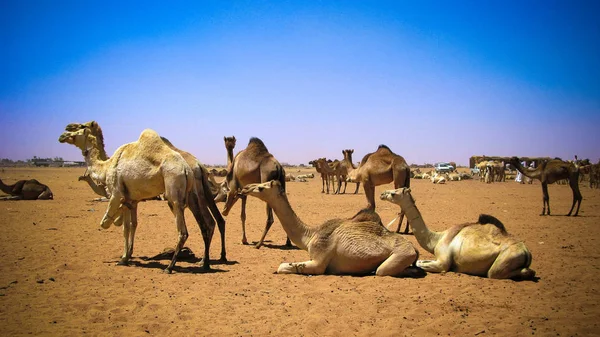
205,222
513,262
357,186
112,211
177,209
243,218
221,224
126,216
310,267
323,184
576,196
12,197
267,226
370,193
133,219
402,258
546,199
441,265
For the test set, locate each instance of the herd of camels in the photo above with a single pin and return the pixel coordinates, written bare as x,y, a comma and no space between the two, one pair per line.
152,166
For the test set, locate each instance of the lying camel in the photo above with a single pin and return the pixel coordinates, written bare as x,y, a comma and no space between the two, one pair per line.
26,190
483,248
359,245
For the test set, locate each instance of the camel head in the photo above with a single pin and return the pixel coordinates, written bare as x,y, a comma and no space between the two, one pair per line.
514,161
229,142
264,191
77,126
400,196
79,138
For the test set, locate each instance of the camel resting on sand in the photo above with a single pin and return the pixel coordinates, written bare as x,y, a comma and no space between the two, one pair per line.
483,248
26,190
359,245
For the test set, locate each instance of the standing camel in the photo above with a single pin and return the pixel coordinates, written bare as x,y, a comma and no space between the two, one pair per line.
26,190
252,165
550,171
346,166
200,201
381,167
140,170
324,174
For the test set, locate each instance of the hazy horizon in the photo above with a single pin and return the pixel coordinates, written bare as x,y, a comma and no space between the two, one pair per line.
434,81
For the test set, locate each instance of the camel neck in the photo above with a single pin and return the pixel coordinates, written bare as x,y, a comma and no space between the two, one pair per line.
95,163
533,174
298,232
427,239
5,188
229,158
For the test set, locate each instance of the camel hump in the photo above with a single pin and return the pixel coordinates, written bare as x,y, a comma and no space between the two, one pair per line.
365,215
382,146
258,144
488,219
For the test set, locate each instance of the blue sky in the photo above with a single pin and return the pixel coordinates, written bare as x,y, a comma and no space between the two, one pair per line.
433,80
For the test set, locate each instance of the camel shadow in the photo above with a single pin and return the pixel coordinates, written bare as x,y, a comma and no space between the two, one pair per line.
178,269
280,247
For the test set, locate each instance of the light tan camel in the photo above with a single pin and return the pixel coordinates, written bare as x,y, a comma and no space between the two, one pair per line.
550,171
381,167
351,246
483,248
254,164
139,170
26,190
200,200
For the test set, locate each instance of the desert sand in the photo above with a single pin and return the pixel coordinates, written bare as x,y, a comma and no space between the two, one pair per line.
59,275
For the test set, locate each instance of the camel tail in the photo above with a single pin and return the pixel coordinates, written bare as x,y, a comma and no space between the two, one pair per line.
488,219
407,179
279,175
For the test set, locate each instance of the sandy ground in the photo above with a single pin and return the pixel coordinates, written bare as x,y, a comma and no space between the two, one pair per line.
59,276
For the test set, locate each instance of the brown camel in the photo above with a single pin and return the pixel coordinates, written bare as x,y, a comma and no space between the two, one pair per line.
142,170
346,166
550,171
324,174
252,165
381,167
26,190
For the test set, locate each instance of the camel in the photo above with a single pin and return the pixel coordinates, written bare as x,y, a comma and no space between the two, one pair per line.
140,170
26,190
349,167
381,167
324,174
438,178
198,201
550,171
483,248
359,245
254,164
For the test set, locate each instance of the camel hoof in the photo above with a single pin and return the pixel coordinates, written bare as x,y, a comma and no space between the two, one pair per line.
258,245
167,271
123,263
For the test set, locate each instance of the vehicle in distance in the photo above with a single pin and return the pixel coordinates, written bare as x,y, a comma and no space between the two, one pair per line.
443,167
